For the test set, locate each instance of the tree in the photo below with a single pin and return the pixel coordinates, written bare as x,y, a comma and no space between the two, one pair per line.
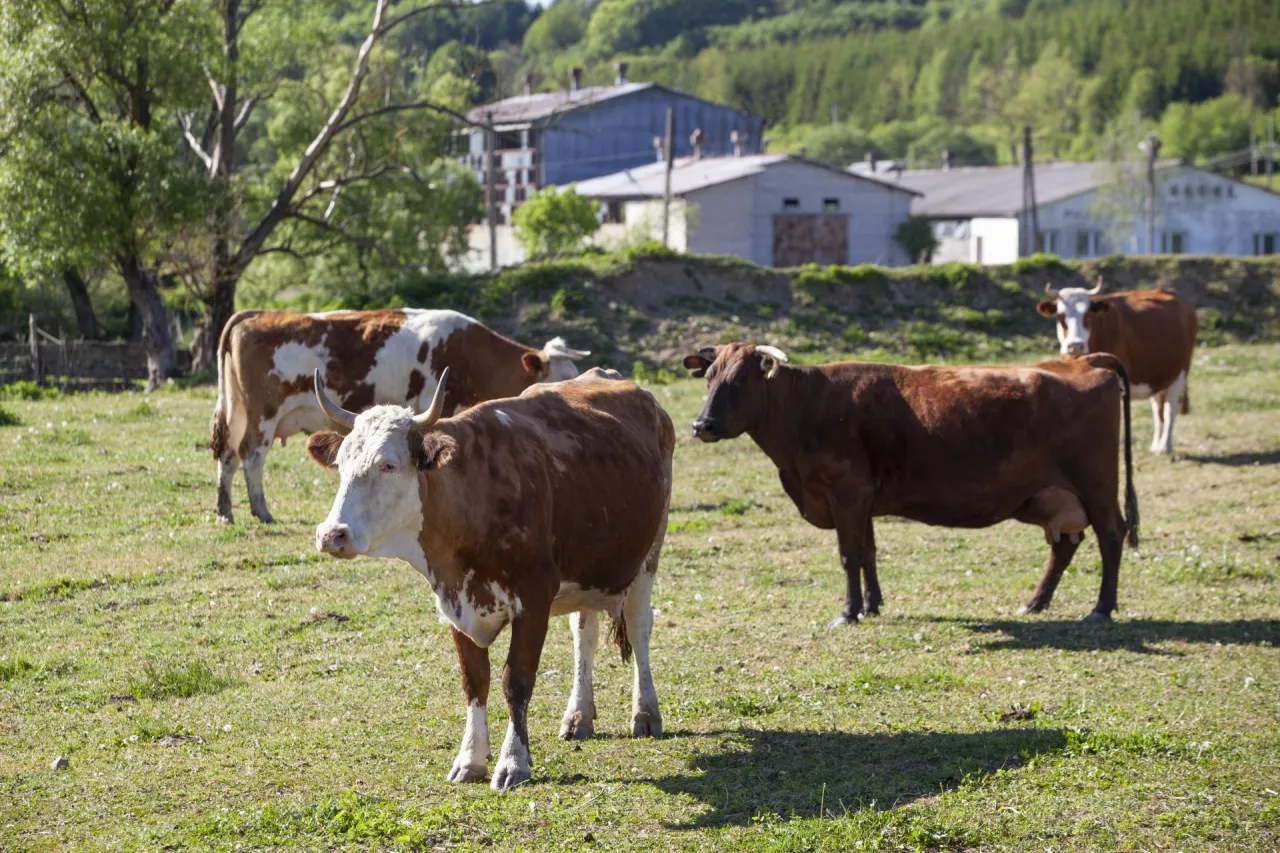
1206,129
838,144
377,113
560,27
1143,97
88,174
915,236
554,222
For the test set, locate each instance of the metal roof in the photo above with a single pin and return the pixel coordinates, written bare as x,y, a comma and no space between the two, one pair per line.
963,193
690,174
522,109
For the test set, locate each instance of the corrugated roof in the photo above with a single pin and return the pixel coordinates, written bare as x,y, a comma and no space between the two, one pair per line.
689,174
526,108
967,192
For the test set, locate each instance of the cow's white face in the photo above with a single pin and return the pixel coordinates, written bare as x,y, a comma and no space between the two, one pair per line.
378,504
560,360
1073,334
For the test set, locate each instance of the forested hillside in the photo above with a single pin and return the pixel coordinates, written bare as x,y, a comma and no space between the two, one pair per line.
911,78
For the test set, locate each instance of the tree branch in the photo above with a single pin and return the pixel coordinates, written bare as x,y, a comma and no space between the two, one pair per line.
434,7
83,95
416,105
346,180
355,240
184,121
245,109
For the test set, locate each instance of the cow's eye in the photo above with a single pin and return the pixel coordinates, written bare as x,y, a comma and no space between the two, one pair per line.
387,468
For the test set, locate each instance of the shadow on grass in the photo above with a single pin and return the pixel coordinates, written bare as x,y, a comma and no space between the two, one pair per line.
1234,460
1134,636
783,772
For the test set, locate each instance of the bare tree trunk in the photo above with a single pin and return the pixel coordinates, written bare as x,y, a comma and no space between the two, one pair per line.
157,340
86,320
219,306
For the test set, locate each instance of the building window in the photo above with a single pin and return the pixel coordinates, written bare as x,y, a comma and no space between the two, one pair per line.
831,204
1173,242
1047,242
1088,244
1173,190
613,213
1265,244
1217,192
791,204
520,194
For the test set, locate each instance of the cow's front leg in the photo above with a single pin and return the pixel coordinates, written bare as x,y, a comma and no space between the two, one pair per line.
578,722
473,755
254,463
1060,555
851,536
528,633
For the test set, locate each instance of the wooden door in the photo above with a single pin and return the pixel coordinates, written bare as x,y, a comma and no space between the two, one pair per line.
810,239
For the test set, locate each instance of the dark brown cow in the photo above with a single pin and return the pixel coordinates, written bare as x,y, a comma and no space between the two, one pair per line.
266,359
513,511
1153,332
950,446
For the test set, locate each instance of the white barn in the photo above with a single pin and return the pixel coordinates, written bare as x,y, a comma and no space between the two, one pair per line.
772,209
977,212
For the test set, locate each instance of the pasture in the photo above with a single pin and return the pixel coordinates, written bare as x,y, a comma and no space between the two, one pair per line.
227,688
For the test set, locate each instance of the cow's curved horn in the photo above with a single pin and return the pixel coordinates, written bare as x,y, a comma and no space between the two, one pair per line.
779,358
337,414
1049,291
432,414
1097,288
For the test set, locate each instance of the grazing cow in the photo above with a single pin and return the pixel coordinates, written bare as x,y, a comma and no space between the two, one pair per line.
950,446
515,510
266,358
1153,332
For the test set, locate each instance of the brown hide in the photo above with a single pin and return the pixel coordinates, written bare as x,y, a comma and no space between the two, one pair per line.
1153,332
530,494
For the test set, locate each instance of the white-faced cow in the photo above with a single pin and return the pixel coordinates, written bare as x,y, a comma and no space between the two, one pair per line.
1153,332
515,510
949,446
266,360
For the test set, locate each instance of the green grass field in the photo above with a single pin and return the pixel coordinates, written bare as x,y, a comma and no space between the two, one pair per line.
226,688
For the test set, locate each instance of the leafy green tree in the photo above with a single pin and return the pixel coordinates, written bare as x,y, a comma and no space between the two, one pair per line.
838,144
915,236
1143,97
1201,130
554,222
560,27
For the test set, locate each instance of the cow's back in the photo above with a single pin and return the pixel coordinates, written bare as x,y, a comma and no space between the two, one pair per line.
1153,332
604,447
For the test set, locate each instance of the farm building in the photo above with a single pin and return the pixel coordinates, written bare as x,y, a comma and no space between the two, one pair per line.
557,138
773,209
1084,210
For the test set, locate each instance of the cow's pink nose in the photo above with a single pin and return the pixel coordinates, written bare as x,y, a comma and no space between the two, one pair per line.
334,539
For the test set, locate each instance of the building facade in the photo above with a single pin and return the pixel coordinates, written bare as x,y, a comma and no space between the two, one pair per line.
1083,212
558,138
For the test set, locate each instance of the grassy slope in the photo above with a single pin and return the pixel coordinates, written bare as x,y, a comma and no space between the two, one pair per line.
206,700
652,306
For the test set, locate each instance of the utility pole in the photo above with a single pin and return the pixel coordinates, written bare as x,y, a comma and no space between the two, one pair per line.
1029,216
490,202
1253,148
669,149
1271,147
33,339
1151,147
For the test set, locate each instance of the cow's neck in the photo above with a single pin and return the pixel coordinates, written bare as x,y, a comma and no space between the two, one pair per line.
778,433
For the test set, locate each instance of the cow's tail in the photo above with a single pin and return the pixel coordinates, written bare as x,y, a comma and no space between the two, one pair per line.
220,428
1110,362
618,636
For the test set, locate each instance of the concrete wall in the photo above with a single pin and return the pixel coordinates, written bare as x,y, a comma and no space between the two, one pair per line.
993,241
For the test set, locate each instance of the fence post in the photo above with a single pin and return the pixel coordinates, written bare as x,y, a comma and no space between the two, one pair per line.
34,339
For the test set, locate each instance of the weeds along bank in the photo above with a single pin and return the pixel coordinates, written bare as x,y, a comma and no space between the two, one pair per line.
649,305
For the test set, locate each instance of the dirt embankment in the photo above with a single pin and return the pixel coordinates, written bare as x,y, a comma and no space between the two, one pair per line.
653,307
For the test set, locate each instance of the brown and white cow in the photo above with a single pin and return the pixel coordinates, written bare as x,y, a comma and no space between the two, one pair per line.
514,511
266,360
1153,332
949,446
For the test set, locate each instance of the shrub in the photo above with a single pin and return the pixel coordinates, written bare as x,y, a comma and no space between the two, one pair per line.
8,418
555,222
915,236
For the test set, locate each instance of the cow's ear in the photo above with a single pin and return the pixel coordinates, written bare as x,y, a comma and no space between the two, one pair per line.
323,448
1048,307
433,451
1095,305
535,364
697,364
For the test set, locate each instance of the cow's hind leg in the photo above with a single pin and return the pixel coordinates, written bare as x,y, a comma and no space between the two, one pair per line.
254,462
1157,425
578,722
528,634
1172,405
872,599
1108,524
473,754
227,465
1060,555
637,615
